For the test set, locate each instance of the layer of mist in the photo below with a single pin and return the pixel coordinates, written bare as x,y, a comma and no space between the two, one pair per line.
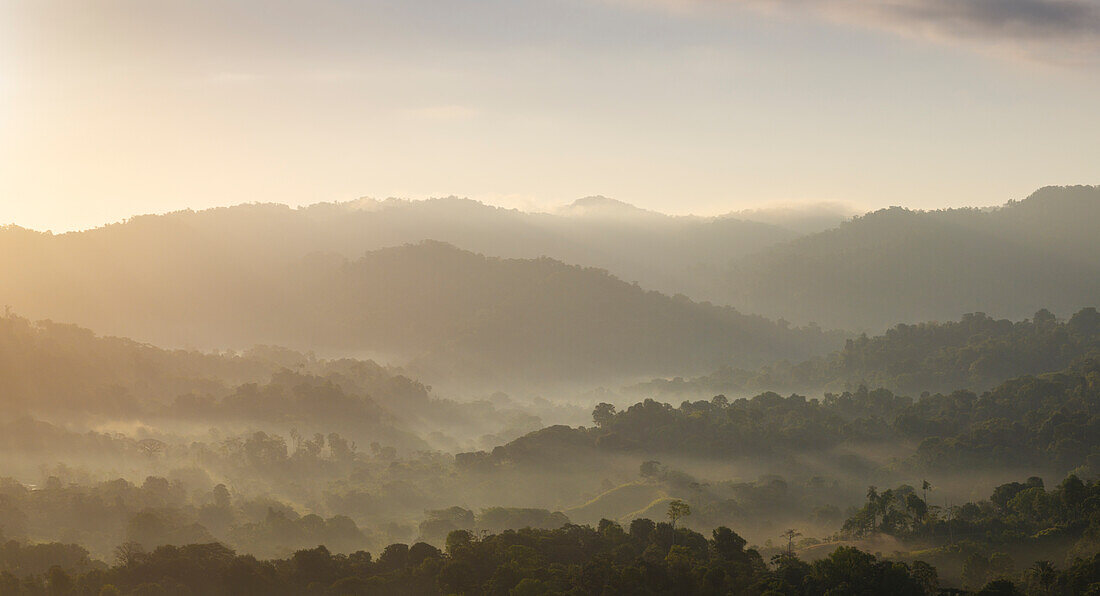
356,376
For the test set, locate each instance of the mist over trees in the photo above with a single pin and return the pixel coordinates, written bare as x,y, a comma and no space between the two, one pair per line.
976,353
1043,423
506,445
447,313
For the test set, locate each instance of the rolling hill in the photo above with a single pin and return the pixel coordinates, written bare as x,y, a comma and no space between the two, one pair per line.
661,252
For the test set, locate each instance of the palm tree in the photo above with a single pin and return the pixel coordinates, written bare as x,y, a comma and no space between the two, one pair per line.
1042,573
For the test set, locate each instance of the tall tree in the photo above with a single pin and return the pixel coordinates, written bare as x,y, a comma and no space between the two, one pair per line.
790,535
676,510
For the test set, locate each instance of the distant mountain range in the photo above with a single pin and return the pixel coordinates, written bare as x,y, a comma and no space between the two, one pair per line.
359,277
447,312
661,252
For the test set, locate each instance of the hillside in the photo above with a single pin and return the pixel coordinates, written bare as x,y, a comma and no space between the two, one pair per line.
897,265
976,352
452,313
215,246
48,365
69,374
486,317
1042,421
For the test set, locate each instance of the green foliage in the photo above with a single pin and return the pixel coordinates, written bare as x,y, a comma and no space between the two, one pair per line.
571,559
158,512
975,353
1044,422
1019,517
678,509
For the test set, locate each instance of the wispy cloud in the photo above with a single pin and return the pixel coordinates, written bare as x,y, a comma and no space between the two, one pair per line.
1059,31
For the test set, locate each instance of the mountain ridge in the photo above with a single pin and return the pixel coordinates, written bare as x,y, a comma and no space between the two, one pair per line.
898,265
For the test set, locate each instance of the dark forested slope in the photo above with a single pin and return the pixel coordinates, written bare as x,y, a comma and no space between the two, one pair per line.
45,365
1045,422
68,374
976,352
900,265
480,316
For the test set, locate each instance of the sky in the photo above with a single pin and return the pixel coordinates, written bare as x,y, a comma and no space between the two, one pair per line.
110,108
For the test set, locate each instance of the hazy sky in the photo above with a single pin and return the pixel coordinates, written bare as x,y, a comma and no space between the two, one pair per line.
111,108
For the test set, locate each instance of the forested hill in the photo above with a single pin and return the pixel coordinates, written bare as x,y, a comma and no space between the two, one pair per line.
897,265
69,374
661,252
481,316
455,313
1043,423
977,352
46,364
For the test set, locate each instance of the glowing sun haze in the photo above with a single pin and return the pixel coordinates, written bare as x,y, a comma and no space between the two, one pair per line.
112,108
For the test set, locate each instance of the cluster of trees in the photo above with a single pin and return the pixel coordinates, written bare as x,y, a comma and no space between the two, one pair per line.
1047,421
334,444
983,541
69,376
1013,511
101,515
645,558
279,494
815,454
441,522
333,482
375,482
305,402
351,489
976,353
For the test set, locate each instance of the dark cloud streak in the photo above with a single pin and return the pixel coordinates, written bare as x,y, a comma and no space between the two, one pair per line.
1066,31
1003,18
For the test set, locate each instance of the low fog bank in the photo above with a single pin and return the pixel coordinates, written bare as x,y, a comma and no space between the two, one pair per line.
801,217
106,441
269,494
